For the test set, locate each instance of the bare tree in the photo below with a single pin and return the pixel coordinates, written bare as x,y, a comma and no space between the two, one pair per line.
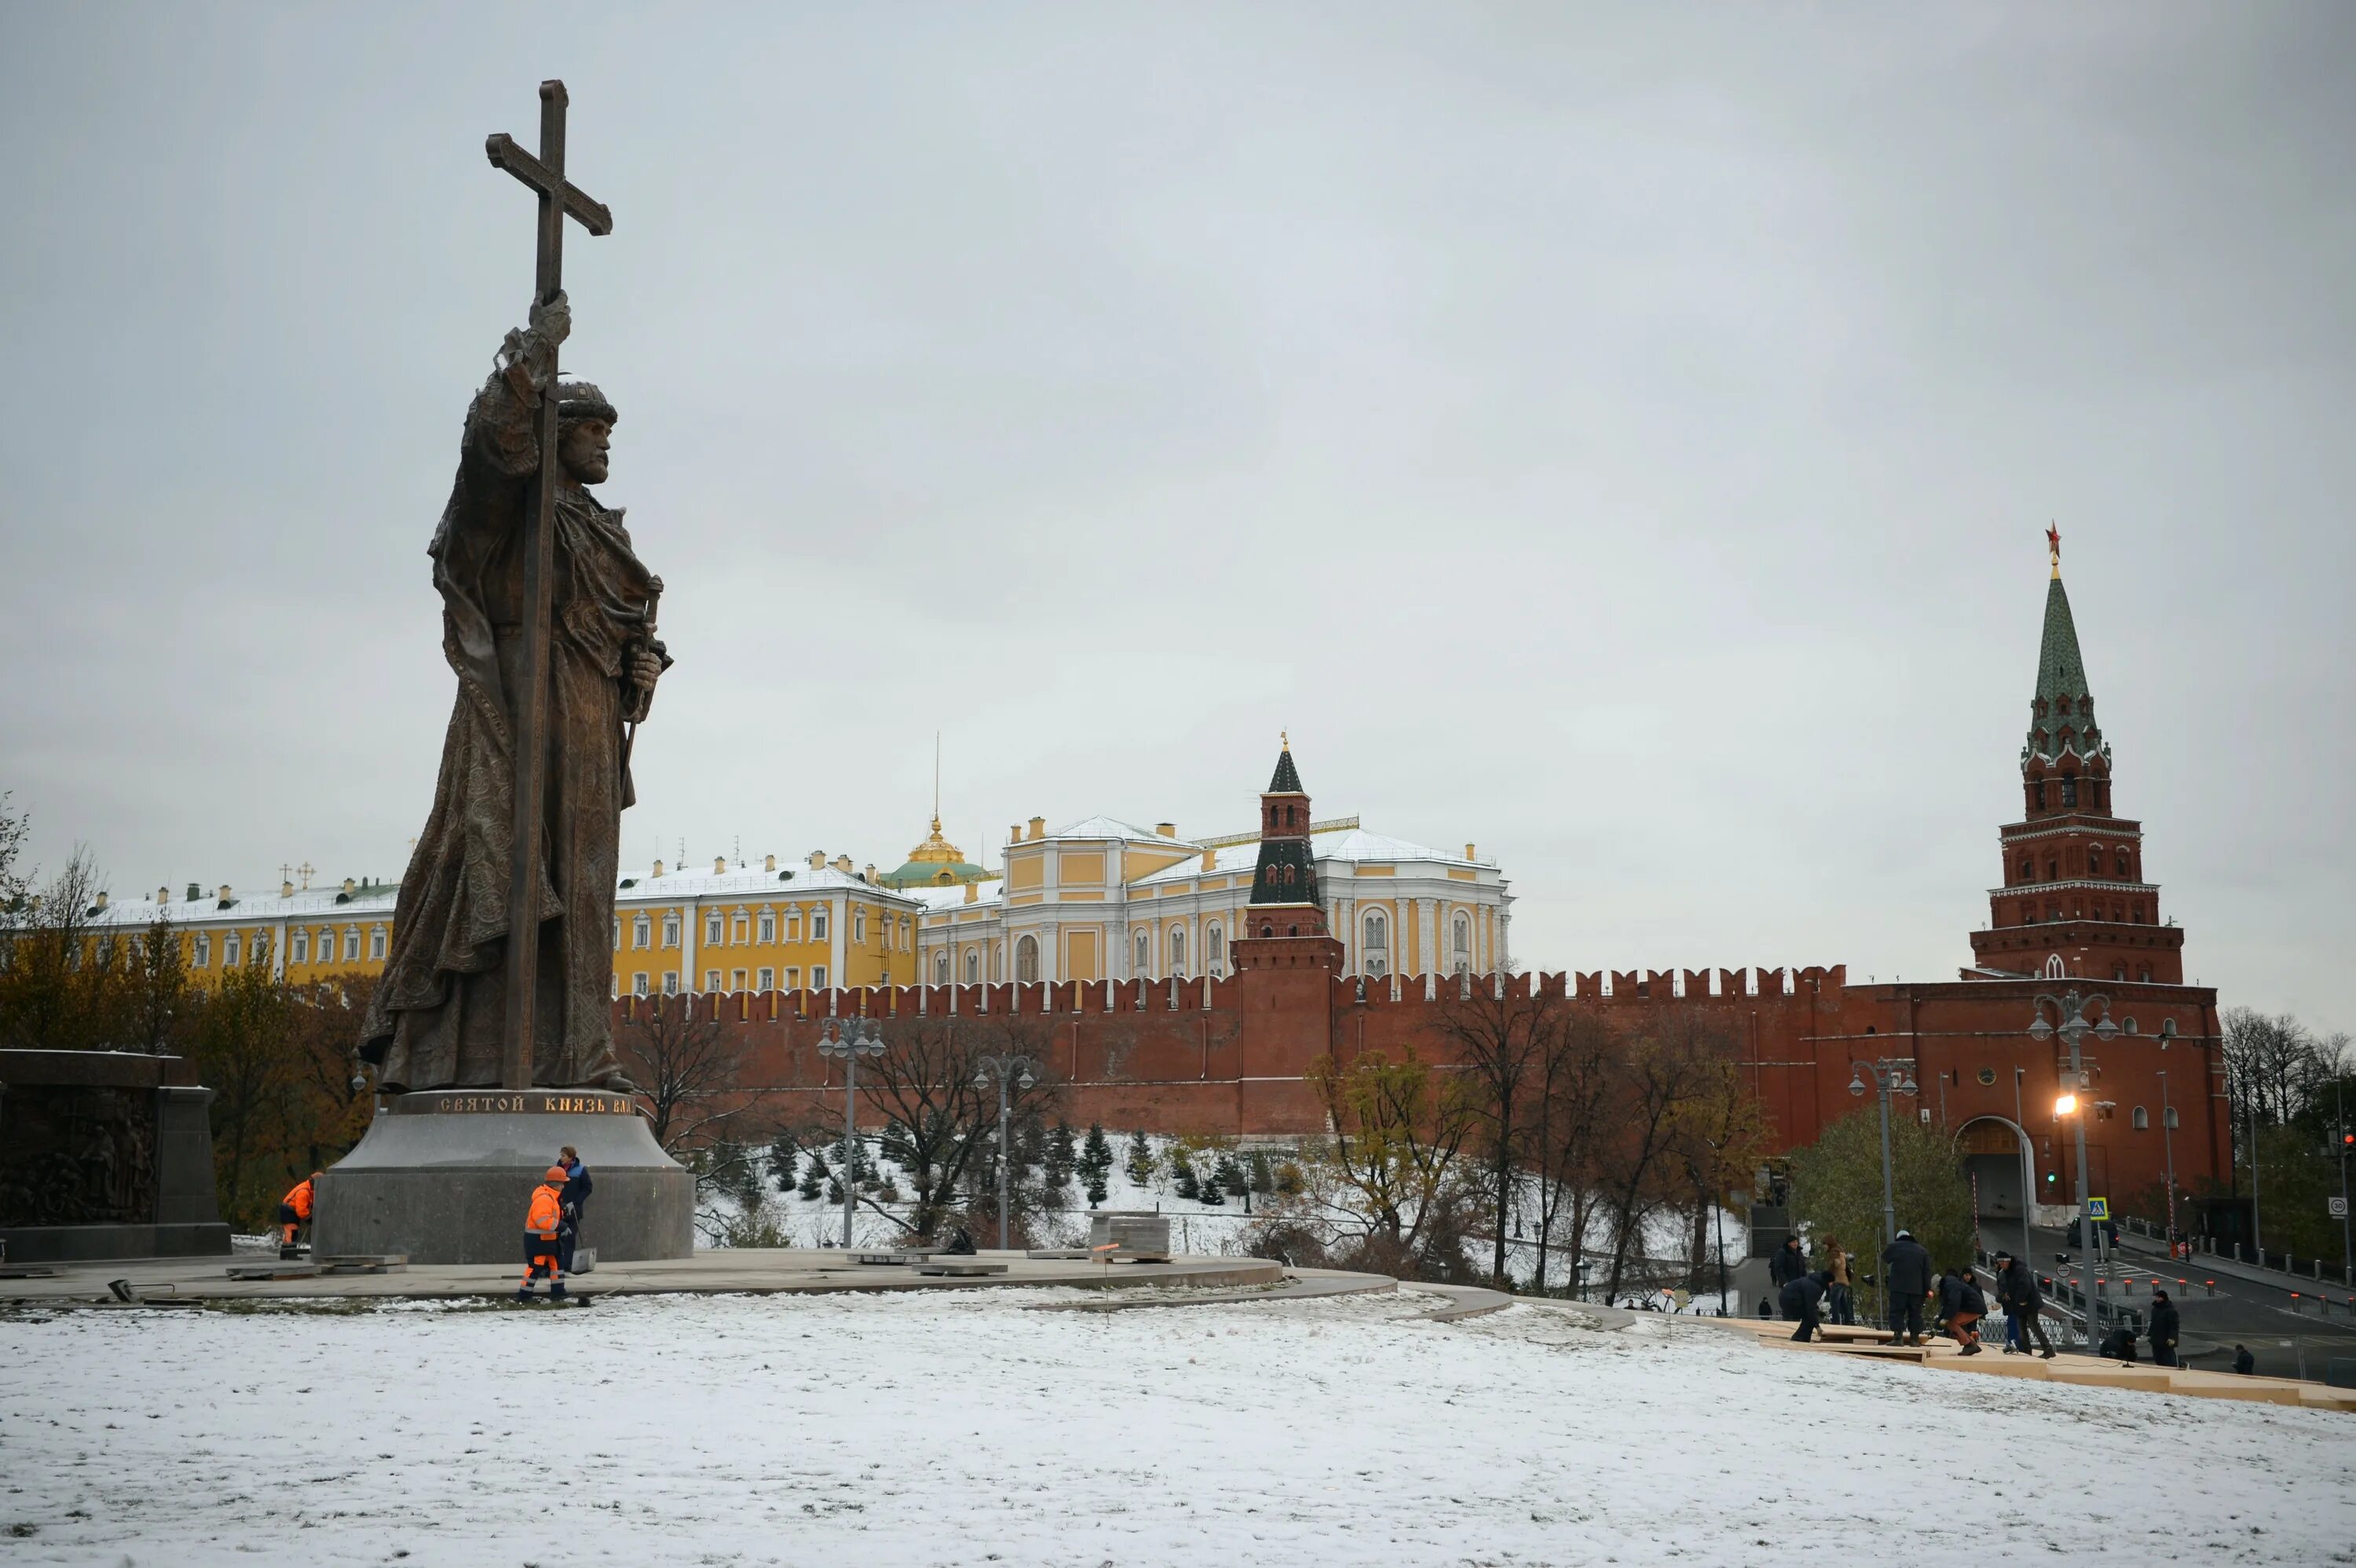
939,1122
1576,1082
692,1072
1398,1129
1667,1066
1501,1038
56,992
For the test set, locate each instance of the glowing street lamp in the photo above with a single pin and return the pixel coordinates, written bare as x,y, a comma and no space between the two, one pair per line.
2071,1009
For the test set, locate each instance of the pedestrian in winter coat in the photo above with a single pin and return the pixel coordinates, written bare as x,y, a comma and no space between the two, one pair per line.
1906,1274
1789,1262
2016,1287
1837,1308
2163,1329
1802,1296
571,1201
2244,1362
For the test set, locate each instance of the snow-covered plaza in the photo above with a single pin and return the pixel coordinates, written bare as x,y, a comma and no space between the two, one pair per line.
964,1427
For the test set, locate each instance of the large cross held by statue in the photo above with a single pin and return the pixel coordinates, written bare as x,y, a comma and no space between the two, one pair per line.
528,726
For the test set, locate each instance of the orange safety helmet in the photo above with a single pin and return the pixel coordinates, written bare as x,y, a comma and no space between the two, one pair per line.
556,1176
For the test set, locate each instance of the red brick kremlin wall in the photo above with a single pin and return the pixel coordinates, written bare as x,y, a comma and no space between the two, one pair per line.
1230,1055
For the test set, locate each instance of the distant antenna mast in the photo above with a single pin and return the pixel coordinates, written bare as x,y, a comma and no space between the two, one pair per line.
936,781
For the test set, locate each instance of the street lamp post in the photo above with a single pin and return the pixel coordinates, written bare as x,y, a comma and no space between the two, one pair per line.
2167,1132
1016,1069
1892,1075
850,1045
2071,1009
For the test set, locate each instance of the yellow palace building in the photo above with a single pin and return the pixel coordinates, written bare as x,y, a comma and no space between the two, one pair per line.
734,928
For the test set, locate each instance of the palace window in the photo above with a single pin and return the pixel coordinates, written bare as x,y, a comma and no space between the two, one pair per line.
229,951
617,934
817,926
641,932
712,979
793,922
615,988
1026,960
2168,1117
859,927
1215,950
739,928
1463,943
973,965
768,980
204,951
903,933
818,976
711,931
794,978
1144,956
768,925
351,945
736,981
670,928
1378,928
940,968
638,985
302,941
376,941
670,982
1178,951
2028,870
2123,863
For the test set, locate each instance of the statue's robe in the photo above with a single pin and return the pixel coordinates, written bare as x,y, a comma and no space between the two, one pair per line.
439,1011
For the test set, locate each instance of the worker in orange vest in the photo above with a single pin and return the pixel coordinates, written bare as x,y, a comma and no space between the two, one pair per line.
294,1213
540,1225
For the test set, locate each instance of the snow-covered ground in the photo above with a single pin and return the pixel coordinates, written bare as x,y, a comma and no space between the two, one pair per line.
960,1428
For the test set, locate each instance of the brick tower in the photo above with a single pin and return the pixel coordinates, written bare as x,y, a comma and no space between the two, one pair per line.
2073,899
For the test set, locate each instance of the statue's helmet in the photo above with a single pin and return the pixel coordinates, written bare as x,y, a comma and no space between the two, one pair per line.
582,400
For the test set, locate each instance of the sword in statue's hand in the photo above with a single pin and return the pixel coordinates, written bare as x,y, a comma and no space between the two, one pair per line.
642,693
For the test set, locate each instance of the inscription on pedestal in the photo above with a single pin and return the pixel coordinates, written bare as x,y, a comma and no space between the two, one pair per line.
510,1102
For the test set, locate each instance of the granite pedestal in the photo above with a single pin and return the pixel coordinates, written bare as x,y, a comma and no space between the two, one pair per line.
105,1154
445,1176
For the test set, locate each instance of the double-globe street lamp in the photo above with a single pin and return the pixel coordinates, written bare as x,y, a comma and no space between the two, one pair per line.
1892,1075
1005,1069
2073,1102
847,1045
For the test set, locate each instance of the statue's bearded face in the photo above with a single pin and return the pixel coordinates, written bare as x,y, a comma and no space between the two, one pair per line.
583,450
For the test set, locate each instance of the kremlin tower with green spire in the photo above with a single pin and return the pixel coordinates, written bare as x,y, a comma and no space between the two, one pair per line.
2073,902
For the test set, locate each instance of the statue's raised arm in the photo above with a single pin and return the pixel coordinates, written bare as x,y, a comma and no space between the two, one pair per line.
498,427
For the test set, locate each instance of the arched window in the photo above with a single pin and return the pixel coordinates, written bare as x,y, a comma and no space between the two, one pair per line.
1265,929
1026,960
2028,869
2123,862
326,944
1462,944
228,950
2054,970
973,965
1214,951
859,927
2069,789
1376,943
1178,951
351,945
2140,1120
204,949
1144,969
940,968
2168,1117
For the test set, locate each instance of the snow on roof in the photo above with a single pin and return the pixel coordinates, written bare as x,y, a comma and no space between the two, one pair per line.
1114,827
1346,846
937,899
246,905
748,884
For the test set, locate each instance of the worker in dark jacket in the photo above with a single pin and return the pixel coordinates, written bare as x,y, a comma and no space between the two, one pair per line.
2244,1362
1906,1274
573,1199
1802,1297
1961,1307
2163,1329
1789,1263
540,1224
2016,1288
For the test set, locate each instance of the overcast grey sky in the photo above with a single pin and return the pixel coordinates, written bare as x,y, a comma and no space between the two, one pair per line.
1620,436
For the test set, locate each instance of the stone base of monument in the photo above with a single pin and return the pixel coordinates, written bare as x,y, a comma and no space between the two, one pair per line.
105,1154
445,1176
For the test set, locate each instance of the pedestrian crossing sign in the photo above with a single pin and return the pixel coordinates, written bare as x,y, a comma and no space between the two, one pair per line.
2100,1207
